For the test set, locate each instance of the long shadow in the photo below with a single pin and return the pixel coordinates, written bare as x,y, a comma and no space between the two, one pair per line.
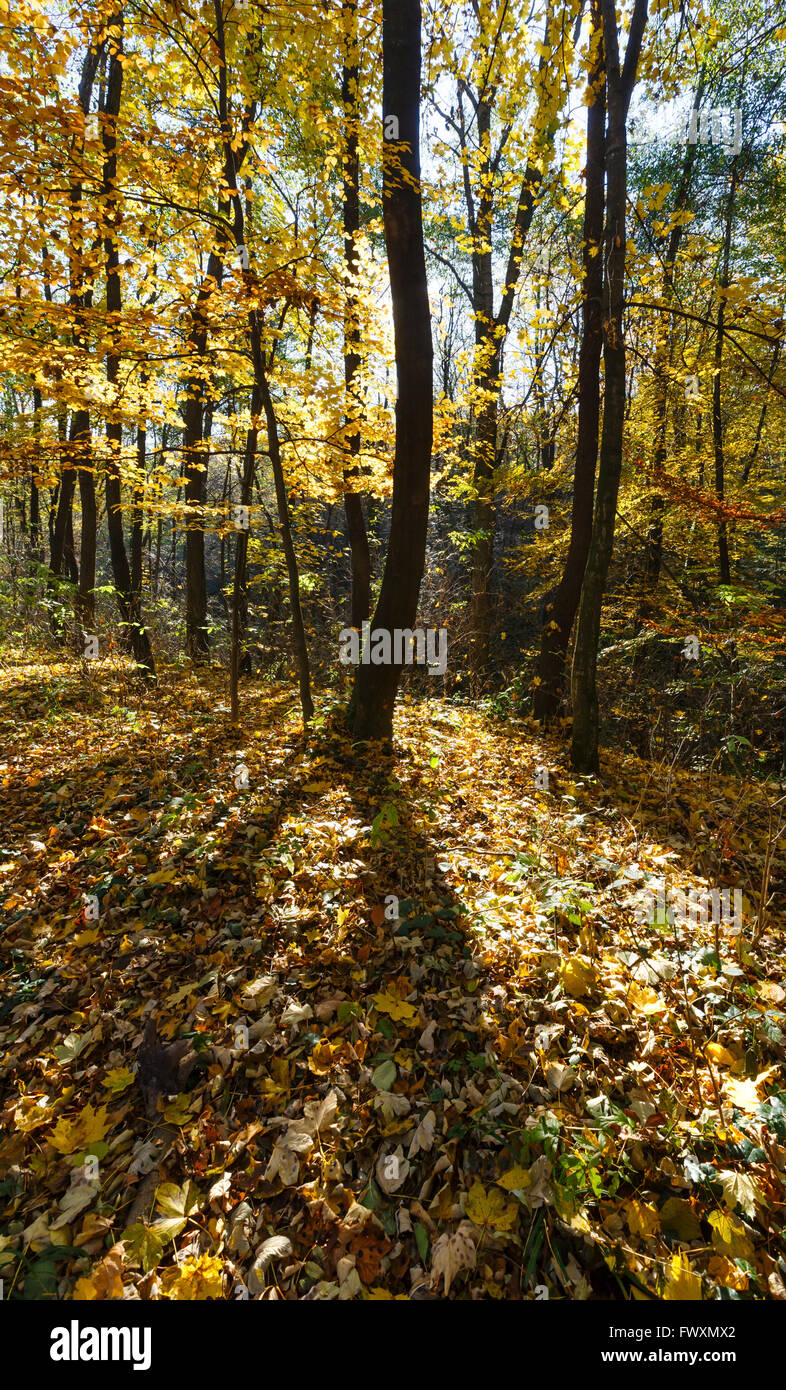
238,899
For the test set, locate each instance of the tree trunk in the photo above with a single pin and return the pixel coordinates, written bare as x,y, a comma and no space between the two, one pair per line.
374,694
35,474
195,456
584,744
486,374
138,516
724,568
232,160
663,354
560,613
135,632
239,594
360,594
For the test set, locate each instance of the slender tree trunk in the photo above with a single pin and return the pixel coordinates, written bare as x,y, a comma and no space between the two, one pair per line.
487,375
138,516
232,161
374,694
135,631
35,474
584,744
89,537
360,594
724,568
76,453
239,595
196,460
663,354
560,613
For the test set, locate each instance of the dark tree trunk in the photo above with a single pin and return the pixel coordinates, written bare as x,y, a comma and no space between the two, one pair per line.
560,613
724,568
89,539
584,743
360,594
195,456
663,354
35,474
374,694
240,657
136,635
76,451
487,376
138,517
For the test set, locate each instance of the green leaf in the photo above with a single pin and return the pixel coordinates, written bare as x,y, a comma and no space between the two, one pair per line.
384,1076
146,1244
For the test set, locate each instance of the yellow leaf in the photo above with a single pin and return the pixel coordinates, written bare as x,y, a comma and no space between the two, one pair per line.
118,1079
720,1055
643,1219
729,1236
740,1190
577,977
162,876
86,938
198,1277
398,1009
69,1136
678,1215
491,1208
773,993
682,1284
724,1272
514,1178
84,1291
178,1111
644,999
746,1095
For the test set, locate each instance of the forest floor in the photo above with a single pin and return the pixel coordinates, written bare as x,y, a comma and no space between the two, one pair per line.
504,1084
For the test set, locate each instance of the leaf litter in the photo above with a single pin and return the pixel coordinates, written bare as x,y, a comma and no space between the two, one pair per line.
380,1028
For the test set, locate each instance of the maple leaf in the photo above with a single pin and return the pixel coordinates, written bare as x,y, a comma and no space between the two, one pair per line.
145,1244
490,1208
398,1009
741,1190
71,1136
729,1236
197,1278
118,1079
746,1094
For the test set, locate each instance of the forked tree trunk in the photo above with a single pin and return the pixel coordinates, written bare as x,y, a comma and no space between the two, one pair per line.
584,743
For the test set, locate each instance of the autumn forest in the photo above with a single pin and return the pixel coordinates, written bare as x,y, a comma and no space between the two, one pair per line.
392,654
